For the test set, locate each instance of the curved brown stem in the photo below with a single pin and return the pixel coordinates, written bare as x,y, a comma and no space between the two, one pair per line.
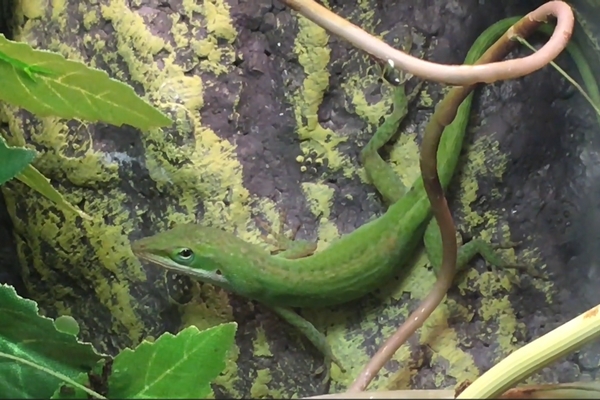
449,74
444,114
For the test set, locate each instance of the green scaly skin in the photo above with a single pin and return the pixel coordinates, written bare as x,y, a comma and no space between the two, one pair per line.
350,267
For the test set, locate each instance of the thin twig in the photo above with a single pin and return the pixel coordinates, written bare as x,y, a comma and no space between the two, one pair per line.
449,74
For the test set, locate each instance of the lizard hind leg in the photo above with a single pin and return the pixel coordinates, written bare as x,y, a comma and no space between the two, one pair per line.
490,254
466,252
381,174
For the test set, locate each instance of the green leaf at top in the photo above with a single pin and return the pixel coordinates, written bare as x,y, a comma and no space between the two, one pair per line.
178,366
47,84
24,334
14,160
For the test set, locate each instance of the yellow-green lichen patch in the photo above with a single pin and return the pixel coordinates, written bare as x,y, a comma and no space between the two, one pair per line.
347,345
483,158
261,345
215,56
425,99
494,308
355,86
136,45
499,312
270,215
230,376
410,363
217,18
77,160
366,8
416,279
320,197
45,229
534,260
365,78
259,387
313,55
401,378
211,170
372,113
404,157
209,307
59,8
91,15
181,37
446,347
444,342
32,9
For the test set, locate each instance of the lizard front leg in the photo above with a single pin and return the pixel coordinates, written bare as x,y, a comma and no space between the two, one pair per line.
314,336
286,247
291,248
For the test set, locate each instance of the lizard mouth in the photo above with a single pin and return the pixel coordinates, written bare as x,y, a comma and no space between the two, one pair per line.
214,277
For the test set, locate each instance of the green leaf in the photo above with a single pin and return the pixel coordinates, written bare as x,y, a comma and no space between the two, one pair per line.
38,182
47,84
178,366
14,160
25,335
16,163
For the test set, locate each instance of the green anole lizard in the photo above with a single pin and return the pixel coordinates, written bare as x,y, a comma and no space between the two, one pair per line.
350,267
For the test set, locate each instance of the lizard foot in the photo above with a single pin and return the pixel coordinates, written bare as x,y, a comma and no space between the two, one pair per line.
278,238
527,268
287,247
326,368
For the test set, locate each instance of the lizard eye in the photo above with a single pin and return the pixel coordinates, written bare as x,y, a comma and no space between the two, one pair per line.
185,254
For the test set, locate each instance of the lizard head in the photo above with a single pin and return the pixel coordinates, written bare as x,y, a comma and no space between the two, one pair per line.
190,249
